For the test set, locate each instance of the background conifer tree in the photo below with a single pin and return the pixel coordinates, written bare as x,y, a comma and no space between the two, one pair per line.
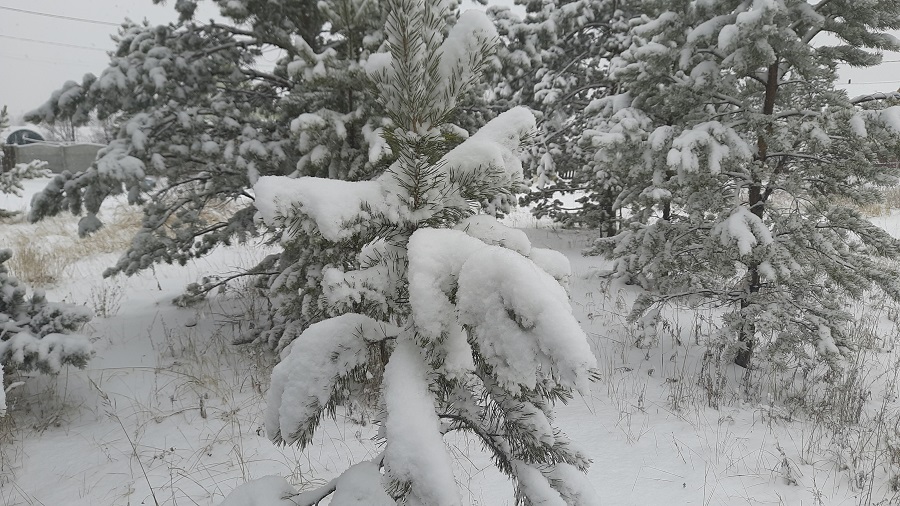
201,122
11,180
555,60
741,164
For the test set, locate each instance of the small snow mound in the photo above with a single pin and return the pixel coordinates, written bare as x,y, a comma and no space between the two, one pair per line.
266,491
360,485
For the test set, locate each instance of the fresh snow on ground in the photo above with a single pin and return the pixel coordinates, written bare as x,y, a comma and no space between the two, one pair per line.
170,412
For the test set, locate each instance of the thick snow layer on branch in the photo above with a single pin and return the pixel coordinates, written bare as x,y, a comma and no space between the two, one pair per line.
304,380
471,29
553,262
115,162
330,203
266,491
718,142
491,231
573,485
415,453
891,118
522,321
743,228
496,145
536,487
435,259
858,125
2,394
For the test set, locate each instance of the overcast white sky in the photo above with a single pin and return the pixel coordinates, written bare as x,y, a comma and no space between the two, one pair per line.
31,70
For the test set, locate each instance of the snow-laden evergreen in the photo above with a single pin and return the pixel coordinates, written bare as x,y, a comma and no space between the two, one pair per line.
738,164
36,334
555,61
11,180
452,318
200,122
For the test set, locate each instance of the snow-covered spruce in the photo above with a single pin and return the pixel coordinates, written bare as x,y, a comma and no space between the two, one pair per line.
738,165
467,326
11,180
36,334
554,61
197,117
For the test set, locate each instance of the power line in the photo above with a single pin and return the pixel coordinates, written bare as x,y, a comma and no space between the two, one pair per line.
867,82
59,16
60,44
42,60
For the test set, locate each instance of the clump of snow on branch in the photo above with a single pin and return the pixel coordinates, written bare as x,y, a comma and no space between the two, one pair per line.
521,318
496,144
329,203
743,228
305,380
415,453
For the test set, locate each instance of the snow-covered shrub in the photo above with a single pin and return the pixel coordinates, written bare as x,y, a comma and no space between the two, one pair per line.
11,180
467,324
36,334
740,164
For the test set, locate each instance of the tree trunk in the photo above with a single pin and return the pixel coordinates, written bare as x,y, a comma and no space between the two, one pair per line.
757,204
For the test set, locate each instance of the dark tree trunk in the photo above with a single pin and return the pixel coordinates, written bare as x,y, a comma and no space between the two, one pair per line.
757,203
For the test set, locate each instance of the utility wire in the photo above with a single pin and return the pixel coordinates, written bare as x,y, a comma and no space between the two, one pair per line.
866,82
59,16
60,44
42,60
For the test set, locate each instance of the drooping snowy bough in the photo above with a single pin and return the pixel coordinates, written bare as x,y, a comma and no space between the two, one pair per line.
36,334
455,320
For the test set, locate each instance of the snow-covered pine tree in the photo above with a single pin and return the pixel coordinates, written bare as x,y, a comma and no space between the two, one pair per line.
200,119
11,180
741,164
468,326
555,61
36,334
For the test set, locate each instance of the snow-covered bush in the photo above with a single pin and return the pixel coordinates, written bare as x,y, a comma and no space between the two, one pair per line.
468,326
36,334
740,163
11,180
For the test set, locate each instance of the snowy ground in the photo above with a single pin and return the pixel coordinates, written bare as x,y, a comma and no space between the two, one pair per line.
170,413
